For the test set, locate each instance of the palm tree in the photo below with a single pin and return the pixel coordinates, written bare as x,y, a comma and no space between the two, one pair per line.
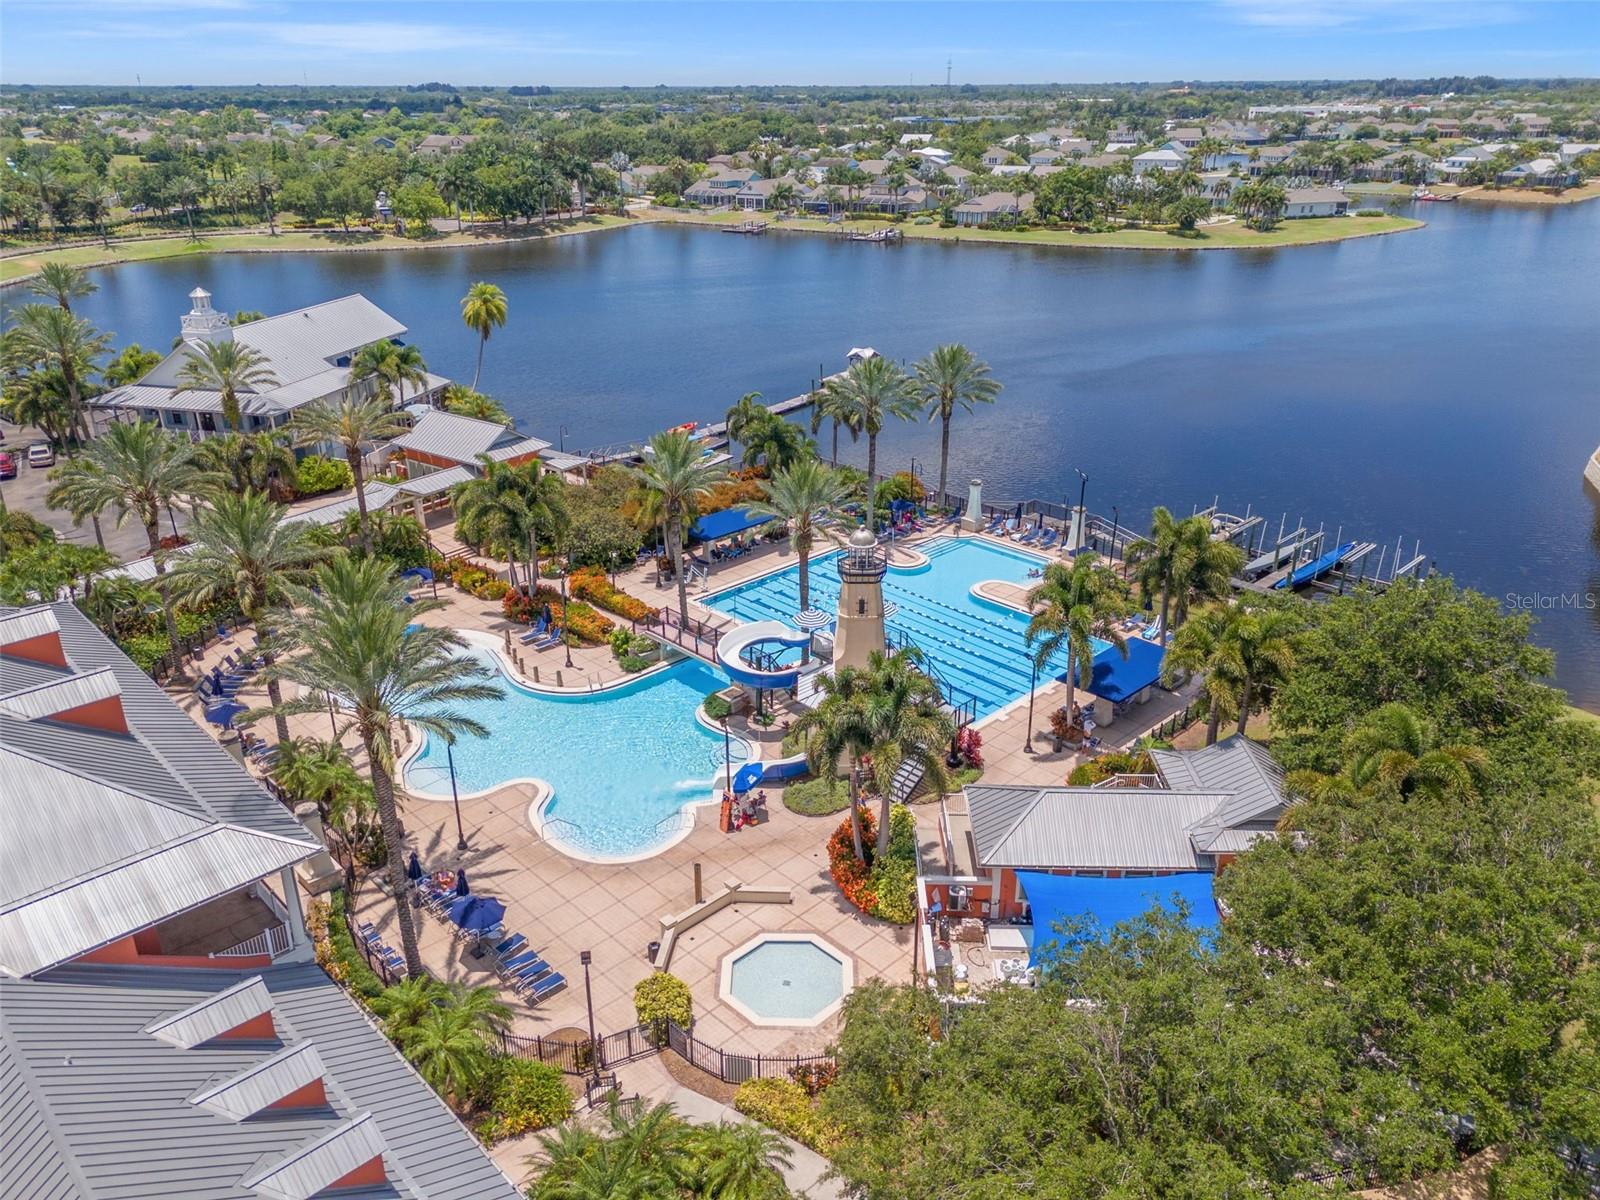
1073,605
744,417
465,402
838,728
829,405
1209,645
447,1047
353,648
351,424
62,283
1202,568
907,724
867,394
49,336
321,773
1152,558
401,1005
1267,638
242,461
242,549
776,442
738,1161
951,377
132,363
392,366
229,368
140,470
674,479
802,495
120,604
483,309
492,512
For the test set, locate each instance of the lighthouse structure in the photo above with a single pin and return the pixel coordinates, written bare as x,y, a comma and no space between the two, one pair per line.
859,631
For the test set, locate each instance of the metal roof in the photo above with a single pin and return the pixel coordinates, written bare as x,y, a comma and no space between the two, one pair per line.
435,482
528,445
1091,828
23,624
378,495
213,1016
269,1082
1236,765
59,695
462,439
94,1108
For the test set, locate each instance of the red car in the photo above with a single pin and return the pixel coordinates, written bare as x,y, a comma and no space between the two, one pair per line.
8,467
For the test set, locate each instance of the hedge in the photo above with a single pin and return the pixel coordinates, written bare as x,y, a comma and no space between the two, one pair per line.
317,475
661,997
592,585
784,1105
521,1095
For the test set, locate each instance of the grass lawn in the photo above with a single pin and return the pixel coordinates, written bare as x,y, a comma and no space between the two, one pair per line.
145,250
1236,235
817,797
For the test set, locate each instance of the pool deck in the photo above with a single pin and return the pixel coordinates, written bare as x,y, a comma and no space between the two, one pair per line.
564,905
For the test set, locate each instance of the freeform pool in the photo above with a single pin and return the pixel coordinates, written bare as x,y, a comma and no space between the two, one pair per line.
786,979
623,764
976,645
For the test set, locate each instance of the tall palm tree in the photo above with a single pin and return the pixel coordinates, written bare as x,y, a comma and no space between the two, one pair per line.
1203,567
492,511
907,724
776,442
744,417
1209,645
673,481
140,470
352,425
802,495
1072,605
1267,638
869,393
838,728
391,366
62,283
350,645
1152,558
49,336
465,402
226,367
829,405
952,377
483,309
241,548
242,461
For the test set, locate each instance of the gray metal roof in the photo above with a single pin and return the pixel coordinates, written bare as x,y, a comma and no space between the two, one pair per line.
268,1082
58,695
212,1016
23,624
94,1108
378,495
462,439
435,482
1091,828
1236,765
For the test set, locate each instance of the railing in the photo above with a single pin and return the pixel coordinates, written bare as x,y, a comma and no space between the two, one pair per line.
273,941
732,1067
686,633
641,1041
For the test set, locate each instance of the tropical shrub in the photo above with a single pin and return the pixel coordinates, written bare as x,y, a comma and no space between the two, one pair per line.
479,581
661,997
815,1077
883,886
717,707
969,744
581,619
592,585
853,876
818,796
1116,763
520,1096
786,1106
317,475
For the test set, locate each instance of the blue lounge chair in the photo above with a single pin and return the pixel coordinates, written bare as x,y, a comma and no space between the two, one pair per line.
994,525
514,966
550,983
1030,536
1047,541
529,975
554,639
538,631
509,946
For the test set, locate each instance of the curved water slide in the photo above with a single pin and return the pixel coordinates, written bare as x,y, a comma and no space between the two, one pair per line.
731,647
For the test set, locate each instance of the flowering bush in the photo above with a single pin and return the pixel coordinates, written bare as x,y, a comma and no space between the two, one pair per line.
584,623
591,584
788,1107
815,1077
853,876
883,886
969,744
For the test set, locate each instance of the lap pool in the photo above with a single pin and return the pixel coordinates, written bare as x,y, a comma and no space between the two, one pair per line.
977,646
622,764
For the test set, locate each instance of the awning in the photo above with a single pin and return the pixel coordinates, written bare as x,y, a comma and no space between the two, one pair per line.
1057,898
1118,679
725,524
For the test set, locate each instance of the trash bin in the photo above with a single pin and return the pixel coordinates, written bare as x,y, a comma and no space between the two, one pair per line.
650,952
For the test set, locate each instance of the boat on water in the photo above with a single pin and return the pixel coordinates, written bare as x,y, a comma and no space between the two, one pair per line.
1316,568
1425,195
751,227
877,235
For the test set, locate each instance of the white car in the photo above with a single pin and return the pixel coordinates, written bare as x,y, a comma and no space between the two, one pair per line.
40,454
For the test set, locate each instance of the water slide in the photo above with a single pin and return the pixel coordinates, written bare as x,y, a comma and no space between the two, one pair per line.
733,644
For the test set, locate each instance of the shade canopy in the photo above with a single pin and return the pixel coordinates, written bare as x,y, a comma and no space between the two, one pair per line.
224,713
1118,679
746,778
478,913
725,524
1058,898
812,618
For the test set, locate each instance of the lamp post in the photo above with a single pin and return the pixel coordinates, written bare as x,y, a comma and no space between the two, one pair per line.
727,755
585,958
566,631
455,797
1115,527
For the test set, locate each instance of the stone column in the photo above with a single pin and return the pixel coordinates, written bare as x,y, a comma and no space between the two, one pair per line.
299,941
972,518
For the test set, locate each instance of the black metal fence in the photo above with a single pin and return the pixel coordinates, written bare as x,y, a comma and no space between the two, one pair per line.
688,633
640,1041
1178,722
733,1067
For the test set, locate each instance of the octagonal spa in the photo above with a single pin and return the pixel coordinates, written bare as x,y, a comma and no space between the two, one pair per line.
793,979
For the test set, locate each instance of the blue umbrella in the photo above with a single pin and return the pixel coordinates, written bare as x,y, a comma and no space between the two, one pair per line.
746,778
414,868
461,882
422,573
224,713
484,913
461,907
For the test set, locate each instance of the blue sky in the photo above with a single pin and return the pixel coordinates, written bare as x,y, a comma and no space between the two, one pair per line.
595,42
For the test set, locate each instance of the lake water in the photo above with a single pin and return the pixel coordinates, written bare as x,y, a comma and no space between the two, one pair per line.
1437,385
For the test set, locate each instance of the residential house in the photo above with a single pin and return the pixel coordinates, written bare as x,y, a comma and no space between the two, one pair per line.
1396,166
1008,169
1075,147
961,177
436,144
1571,151
322,141
873,166
383,143
1044,158
996,155
1165,159
164,1028
1187,136
308,351
1122,139
992,206
933,157
756,196
1540,172
721,189
915,139
1316,202
1533,124
1264,158
1199,811
639,179
1464,158
1447,127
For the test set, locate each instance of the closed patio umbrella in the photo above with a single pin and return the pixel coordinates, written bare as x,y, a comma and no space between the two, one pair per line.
461,882
414,868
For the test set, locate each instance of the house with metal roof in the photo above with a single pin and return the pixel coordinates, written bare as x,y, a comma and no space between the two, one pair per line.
308,353
163,1028
1197,812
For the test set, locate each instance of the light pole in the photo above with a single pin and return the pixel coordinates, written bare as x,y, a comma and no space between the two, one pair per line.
563,436
1115,526
585,957
455,797
727,755
1083,516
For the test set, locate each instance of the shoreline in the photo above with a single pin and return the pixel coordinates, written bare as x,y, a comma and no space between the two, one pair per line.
1133,239
292,241
1528,198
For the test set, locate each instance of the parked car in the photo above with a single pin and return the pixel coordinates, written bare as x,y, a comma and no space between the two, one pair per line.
41,454
8,467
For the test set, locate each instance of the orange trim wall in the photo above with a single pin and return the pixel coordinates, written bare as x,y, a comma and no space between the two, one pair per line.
104,714
46,648
313,1095
368,1174
143,949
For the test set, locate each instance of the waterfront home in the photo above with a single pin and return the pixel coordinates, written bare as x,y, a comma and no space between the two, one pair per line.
162,1016
1264,158
639,179
1198,812
756,196
880,197
1575,150
1464,158
961,177
444,143
308,351
721,189
995,155
1540,172
1397,165
1165,159
1315,202
992,206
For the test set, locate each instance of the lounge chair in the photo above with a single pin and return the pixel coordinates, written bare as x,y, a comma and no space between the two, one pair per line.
1047,540
529,975
552,639
1031,536
509,946
518,963
537,632
994,525
545,986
